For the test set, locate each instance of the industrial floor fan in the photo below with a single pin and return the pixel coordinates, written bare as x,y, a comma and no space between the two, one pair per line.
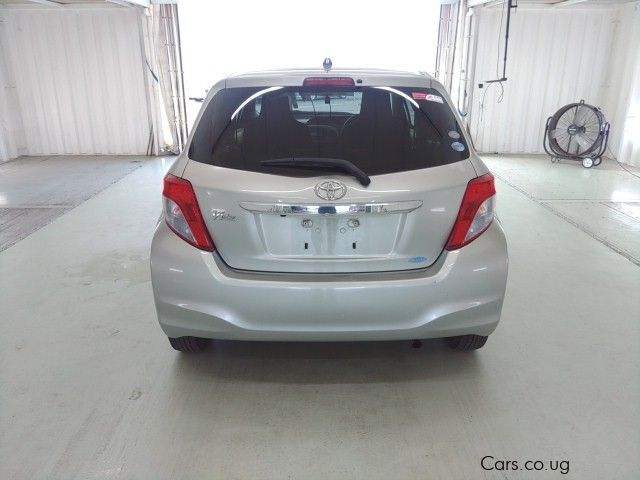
578,131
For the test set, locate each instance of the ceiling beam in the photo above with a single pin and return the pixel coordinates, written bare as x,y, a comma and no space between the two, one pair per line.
494,3
477,3
566,3
130,3
47,3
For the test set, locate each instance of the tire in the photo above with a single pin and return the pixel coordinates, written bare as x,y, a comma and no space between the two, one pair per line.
466,343
189,344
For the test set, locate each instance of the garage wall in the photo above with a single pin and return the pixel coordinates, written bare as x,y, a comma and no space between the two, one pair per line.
626,138
11,138
556,56
8,148
79,80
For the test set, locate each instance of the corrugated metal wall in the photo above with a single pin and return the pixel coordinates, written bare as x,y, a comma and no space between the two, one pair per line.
556,56
79,79
626,121
8,147
11,138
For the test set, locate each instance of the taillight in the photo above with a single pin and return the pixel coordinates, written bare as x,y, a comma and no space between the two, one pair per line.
328,82
476,212
182,213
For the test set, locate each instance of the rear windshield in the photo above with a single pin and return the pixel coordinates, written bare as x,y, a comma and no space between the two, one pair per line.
379,129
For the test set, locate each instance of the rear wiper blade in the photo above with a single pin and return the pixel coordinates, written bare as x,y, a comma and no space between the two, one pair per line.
317,162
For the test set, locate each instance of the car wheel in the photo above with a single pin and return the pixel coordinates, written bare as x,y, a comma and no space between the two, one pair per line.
466,343
189,344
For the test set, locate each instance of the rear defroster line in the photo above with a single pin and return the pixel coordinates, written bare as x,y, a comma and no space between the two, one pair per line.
568,219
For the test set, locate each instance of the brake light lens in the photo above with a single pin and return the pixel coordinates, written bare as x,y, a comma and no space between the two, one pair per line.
476,212
328,82
182,213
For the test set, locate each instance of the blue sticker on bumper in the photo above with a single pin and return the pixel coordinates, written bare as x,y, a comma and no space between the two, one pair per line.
417,259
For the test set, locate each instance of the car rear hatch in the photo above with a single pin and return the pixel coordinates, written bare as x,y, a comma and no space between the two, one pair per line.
322,219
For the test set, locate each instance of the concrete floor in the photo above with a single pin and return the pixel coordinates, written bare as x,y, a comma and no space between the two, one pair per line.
90,388
36,190
603,205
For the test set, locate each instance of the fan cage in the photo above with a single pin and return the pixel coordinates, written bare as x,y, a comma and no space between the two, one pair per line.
577,131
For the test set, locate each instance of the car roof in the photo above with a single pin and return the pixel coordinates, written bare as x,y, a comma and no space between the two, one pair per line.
296,76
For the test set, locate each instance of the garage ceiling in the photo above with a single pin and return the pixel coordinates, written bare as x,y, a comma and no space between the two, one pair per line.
63,3
546,3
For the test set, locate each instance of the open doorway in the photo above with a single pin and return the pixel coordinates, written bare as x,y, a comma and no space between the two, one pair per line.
220,38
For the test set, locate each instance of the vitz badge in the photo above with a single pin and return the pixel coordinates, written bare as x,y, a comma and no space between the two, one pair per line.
222,215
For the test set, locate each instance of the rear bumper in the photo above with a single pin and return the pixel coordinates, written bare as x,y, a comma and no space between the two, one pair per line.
197,294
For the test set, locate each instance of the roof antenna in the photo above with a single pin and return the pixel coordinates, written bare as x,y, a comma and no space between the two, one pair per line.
327,64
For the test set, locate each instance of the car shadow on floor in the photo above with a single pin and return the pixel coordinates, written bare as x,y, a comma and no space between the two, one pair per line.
326,362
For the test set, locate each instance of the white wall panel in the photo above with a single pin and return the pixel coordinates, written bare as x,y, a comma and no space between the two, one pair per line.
11,135
79,80
8,148
626,97
556,56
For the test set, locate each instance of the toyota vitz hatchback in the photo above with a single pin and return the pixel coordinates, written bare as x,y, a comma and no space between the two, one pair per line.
315,205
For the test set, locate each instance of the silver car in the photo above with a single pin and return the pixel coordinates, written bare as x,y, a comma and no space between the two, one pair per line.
317,205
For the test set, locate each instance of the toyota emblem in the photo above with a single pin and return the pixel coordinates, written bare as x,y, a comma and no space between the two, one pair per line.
331,190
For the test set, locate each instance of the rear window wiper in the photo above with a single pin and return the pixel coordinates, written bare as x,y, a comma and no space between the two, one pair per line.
317,162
